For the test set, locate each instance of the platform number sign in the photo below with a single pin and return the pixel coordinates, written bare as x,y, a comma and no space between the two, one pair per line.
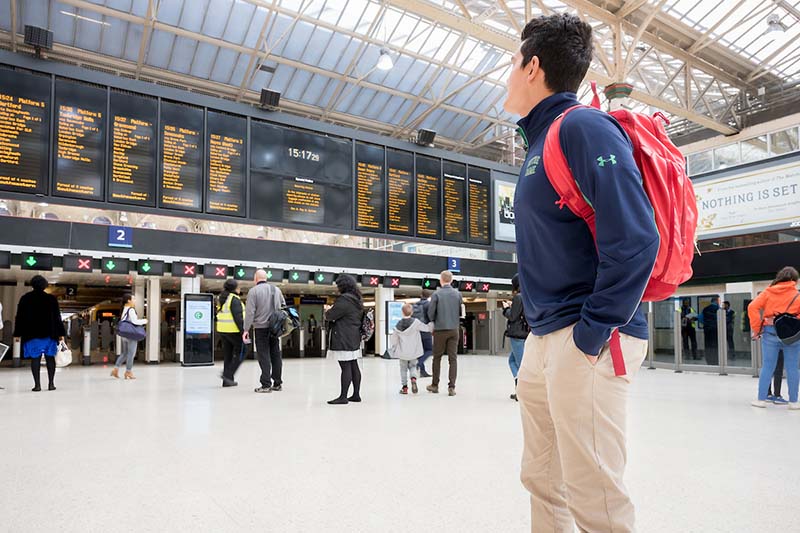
454,264
120,237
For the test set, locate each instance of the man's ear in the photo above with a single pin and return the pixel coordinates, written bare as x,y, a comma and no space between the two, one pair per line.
532,69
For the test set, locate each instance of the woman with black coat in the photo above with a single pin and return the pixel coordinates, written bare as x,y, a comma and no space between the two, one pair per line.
38,325
344,322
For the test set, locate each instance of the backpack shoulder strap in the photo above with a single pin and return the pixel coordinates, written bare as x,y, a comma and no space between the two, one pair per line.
792,302
560,176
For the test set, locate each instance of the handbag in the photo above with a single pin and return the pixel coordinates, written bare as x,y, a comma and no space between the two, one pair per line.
129,330
63,356
787,326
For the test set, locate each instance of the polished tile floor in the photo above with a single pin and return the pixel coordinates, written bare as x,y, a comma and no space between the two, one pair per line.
174,452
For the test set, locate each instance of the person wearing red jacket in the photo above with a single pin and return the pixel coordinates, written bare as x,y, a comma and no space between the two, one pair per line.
782,296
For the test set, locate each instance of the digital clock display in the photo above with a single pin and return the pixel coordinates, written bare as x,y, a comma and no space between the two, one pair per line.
308,155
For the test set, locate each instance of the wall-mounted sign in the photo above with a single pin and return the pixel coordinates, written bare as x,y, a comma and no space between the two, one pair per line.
504,210
767,198
120,237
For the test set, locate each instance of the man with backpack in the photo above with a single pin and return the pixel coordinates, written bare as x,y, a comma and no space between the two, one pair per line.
589,239
263,301
421,314
517,330
444,311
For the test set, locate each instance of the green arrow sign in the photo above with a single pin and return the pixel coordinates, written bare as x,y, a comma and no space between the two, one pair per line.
321,278
146,267
240,273
198,315
295,276
427,283
111,265
269,274
30,261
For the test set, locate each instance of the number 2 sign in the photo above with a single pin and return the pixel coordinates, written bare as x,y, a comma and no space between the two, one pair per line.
120,237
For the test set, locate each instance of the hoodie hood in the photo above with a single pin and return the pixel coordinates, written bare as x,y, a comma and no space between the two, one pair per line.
782,288
405,323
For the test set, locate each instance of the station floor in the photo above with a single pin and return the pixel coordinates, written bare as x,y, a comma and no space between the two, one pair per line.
172,451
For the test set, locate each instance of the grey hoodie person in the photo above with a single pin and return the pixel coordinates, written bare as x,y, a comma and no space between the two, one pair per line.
406,343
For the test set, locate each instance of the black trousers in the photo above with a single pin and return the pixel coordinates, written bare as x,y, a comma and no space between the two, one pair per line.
689,335
711,345
777,377
268,348
231,353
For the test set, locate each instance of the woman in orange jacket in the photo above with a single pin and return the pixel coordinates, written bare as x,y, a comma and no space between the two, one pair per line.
780,297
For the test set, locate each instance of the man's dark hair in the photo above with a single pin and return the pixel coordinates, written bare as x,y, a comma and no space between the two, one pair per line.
563,44
426,293
39,283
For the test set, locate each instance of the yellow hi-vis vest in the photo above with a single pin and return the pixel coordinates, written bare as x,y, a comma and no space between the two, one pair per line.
225,322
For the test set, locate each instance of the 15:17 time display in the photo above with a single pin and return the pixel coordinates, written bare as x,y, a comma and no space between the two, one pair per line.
308,155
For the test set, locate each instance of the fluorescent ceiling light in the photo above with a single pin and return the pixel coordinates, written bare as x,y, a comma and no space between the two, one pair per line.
385,60
87,19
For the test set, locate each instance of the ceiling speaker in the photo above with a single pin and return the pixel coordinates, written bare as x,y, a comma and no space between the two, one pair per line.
269,98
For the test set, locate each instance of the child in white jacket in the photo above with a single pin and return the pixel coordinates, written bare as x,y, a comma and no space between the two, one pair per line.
406,346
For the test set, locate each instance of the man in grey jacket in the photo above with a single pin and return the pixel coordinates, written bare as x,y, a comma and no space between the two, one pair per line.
445,313
262,301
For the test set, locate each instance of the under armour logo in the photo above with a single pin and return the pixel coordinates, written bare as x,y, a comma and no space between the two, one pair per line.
601,161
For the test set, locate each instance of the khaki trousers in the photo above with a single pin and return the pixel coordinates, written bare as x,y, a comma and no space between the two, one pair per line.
573,420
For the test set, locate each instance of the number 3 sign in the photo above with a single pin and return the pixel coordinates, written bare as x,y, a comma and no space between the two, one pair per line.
120,237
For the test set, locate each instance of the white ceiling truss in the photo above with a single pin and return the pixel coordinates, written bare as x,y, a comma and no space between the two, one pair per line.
709,64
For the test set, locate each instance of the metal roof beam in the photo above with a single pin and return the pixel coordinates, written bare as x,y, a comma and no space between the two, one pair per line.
629,7
144,45
13,8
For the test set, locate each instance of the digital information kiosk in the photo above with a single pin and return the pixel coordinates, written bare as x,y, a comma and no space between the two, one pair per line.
198,330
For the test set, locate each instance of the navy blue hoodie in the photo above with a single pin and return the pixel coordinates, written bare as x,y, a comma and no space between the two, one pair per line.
564,279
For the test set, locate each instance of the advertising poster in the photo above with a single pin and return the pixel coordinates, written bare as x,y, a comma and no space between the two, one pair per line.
504,213
750,201
198,317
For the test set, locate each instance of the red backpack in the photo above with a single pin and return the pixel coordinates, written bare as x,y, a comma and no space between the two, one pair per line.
667,186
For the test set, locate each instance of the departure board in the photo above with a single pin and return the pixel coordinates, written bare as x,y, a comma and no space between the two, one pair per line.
299,200
429,195
400,193
370,189
455,201
290,152
181,183
133,149
80,140
226,164
479,225
24,131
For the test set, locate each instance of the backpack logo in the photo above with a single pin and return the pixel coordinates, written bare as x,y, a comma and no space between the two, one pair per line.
601,161
533,164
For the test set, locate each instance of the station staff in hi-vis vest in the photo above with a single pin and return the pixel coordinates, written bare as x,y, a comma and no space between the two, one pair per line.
230,323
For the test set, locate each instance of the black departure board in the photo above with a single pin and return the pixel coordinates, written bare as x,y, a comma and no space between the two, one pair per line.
24,131
479,198
429,196
400,192
181,177
226,136
80,144
132,167
455,201
370,179
297,153
298,200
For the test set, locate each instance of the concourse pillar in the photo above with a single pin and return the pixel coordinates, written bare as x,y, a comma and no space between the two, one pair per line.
382,295
16,353
153,315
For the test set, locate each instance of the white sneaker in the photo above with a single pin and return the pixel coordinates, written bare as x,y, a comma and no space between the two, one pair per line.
762,404
794,406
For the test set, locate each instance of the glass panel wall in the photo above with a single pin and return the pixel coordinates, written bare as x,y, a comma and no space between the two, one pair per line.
755,149
783,142
664,332
726,156
738,330
700,162
699,330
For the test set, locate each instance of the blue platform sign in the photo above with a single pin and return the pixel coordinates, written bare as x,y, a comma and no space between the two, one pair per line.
454,264
120,237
